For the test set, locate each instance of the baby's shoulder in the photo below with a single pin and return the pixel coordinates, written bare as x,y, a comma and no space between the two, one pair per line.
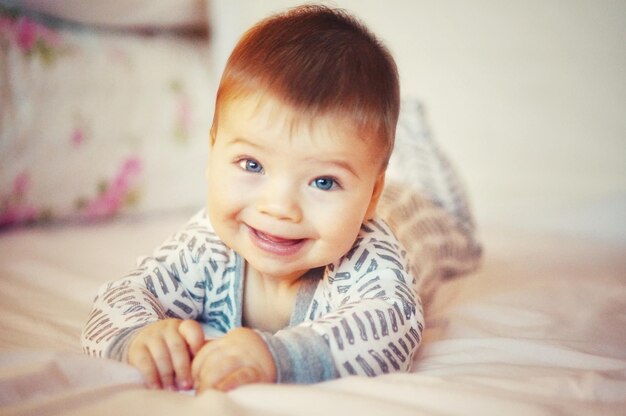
375,247
376,236
198,238
377,260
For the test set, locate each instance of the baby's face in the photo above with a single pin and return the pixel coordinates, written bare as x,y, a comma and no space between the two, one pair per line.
288,197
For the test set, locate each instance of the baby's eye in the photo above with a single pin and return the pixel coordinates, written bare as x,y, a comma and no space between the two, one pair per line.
324,183
250,165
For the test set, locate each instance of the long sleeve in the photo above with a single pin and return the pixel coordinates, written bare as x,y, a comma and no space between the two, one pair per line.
365,317
175,282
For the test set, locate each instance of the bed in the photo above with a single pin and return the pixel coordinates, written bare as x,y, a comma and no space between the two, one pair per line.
522,317
528,334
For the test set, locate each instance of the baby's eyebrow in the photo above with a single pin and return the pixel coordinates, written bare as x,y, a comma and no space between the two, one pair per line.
245,141
342,164
338,162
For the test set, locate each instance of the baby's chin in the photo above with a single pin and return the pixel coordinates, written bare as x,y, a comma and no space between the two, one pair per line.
281,269
276,268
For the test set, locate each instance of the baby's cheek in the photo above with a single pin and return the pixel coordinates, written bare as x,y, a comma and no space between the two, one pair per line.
340,234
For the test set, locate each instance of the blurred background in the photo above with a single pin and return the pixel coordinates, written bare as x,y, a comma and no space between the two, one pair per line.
527,98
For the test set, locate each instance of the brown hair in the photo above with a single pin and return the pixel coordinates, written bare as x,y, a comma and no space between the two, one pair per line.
319,61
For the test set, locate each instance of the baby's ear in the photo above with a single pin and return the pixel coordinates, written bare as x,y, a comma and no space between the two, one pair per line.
212,134
376,193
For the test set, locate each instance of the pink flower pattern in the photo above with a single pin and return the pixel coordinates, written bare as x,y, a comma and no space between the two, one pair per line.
78,137
14,208
117,194
183,118
19,199
184,113
31,38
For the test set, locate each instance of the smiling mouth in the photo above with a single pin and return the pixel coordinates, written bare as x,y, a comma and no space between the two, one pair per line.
274,244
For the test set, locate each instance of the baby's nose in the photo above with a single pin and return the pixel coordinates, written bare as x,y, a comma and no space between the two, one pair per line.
280,200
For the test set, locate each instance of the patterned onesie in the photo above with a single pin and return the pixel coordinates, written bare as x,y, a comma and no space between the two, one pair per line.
362,317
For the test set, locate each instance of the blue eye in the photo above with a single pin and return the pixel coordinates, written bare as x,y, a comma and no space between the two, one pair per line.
250,165
325,184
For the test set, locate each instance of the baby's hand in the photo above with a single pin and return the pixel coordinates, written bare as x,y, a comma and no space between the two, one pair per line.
163,351
239,357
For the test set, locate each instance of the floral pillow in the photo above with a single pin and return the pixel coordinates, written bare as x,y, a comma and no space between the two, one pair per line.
95,124
126,14
98,124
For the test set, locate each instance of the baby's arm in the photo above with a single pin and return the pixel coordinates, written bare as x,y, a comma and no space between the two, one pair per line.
162,351
126,313
239,357
365,319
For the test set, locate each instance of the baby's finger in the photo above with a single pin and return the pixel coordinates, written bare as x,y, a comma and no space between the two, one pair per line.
244,375
199,360
181,361
163,361
142,360
215,368
192,333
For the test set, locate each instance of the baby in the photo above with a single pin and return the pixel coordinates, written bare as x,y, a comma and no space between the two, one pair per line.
288,276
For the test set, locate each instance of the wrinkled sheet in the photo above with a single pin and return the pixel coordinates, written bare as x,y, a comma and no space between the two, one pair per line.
538,330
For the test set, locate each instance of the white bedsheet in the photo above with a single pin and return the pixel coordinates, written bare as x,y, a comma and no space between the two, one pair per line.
540,329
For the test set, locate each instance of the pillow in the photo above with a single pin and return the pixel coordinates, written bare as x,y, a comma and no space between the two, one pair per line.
123,14
425,204
95,124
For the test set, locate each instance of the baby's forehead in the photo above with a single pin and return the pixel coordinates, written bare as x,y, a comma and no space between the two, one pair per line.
276,112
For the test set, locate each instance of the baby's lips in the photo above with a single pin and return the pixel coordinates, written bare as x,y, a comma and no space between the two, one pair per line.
277,239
